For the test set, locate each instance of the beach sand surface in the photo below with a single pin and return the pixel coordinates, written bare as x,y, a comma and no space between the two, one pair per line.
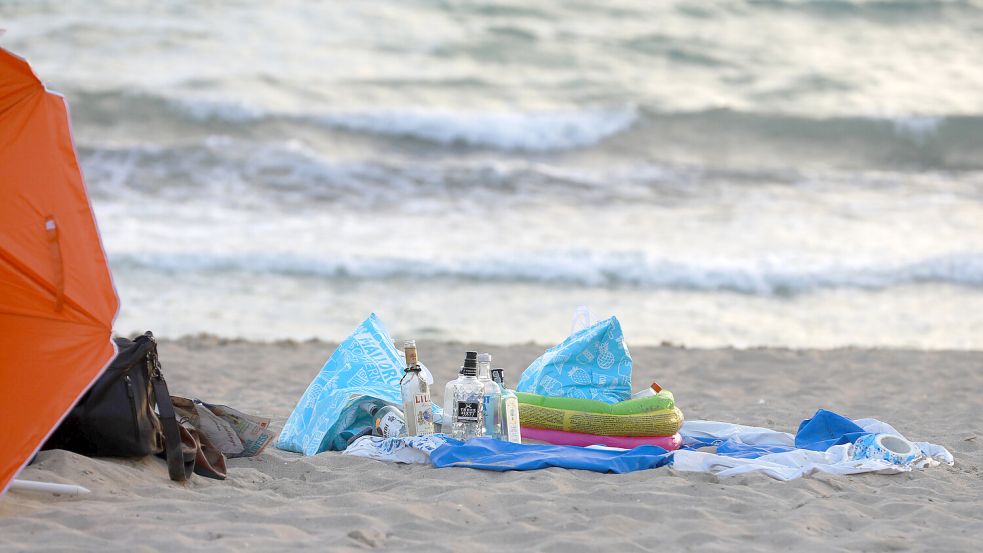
329,502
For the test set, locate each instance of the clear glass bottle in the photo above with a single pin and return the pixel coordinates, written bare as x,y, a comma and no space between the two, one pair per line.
415,393
389,422
509,422
491,398
447,425
468,392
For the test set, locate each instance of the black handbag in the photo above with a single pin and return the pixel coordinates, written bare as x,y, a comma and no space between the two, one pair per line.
116,416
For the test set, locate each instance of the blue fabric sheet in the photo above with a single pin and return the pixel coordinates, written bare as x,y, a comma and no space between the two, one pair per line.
491,454
739,450
826,429
730,447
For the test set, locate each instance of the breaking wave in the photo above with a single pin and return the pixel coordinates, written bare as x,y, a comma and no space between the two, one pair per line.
906,140
764,278
507,131
531,131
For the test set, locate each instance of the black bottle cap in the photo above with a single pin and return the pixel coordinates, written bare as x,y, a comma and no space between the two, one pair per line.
498,376
469,371
471,359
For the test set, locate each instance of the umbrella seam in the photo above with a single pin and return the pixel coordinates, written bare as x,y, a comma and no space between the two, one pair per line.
47,286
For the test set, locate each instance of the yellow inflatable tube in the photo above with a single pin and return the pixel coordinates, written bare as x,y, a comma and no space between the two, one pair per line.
664,422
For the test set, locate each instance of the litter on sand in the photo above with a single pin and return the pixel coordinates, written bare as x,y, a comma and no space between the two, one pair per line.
576,411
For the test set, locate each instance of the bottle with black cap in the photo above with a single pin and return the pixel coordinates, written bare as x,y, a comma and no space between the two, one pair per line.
447,422
467,393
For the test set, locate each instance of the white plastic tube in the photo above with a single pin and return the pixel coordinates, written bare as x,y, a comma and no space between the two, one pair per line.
47,487
582,318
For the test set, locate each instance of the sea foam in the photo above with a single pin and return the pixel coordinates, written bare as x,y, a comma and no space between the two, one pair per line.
528,131
517,131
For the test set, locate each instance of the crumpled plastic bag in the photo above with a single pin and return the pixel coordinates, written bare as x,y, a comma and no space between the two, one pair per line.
366,368
404,449
592,363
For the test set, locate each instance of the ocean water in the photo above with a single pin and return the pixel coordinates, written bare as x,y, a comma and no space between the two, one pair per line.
783,172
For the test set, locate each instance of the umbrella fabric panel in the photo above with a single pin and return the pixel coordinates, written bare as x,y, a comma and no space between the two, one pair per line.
57,301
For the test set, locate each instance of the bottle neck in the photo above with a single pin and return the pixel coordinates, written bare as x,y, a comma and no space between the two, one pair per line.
484,371
410,373
409,350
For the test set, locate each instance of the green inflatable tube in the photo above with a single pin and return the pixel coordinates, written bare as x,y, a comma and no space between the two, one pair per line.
659,402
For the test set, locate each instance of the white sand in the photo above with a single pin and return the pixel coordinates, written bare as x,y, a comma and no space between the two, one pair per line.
331,502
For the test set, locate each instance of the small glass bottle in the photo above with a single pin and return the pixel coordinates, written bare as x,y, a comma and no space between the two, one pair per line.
468,393
491,398
509,422
415,393
389,422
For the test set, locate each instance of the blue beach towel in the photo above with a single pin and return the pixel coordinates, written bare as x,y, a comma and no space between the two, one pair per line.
496,455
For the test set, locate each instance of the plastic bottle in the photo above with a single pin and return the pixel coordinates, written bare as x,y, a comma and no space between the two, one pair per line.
509,422
582,318
491,398
467,394
647,392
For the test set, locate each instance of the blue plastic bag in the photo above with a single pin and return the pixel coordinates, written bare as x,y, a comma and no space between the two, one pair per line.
593,363
366,367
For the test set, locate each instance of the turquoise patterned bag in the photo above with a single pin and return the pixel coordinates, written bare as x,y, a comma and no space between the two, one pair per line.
366,367
592,363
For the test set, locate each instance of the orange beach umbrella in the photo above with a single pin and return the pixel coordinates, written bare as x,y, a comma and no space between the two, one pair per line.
57,301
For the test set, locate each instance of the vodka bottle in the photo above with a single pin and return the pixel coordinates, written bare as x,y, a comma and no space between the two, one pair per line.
509,423
450,408
468,393
416,395
491,399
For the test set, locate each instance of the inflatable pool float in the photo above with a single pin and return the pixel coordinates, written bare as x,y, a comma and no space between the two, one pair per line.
664,422
657,402
558,437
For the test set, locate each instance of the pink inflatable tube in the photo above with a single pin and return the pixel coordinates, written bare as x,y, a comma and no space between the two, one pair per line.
559,437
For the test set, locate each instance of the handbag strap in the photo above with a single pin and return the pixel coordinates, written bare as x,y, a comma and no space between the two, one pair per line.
176,467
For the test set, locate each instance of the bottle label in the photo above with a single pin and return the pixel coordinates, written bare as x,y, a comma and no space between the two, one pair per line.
390,425
467,411
423,414
512,420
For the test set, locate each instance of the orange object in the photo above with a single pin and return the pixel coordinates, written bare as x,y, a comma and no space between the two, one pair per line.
57,301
